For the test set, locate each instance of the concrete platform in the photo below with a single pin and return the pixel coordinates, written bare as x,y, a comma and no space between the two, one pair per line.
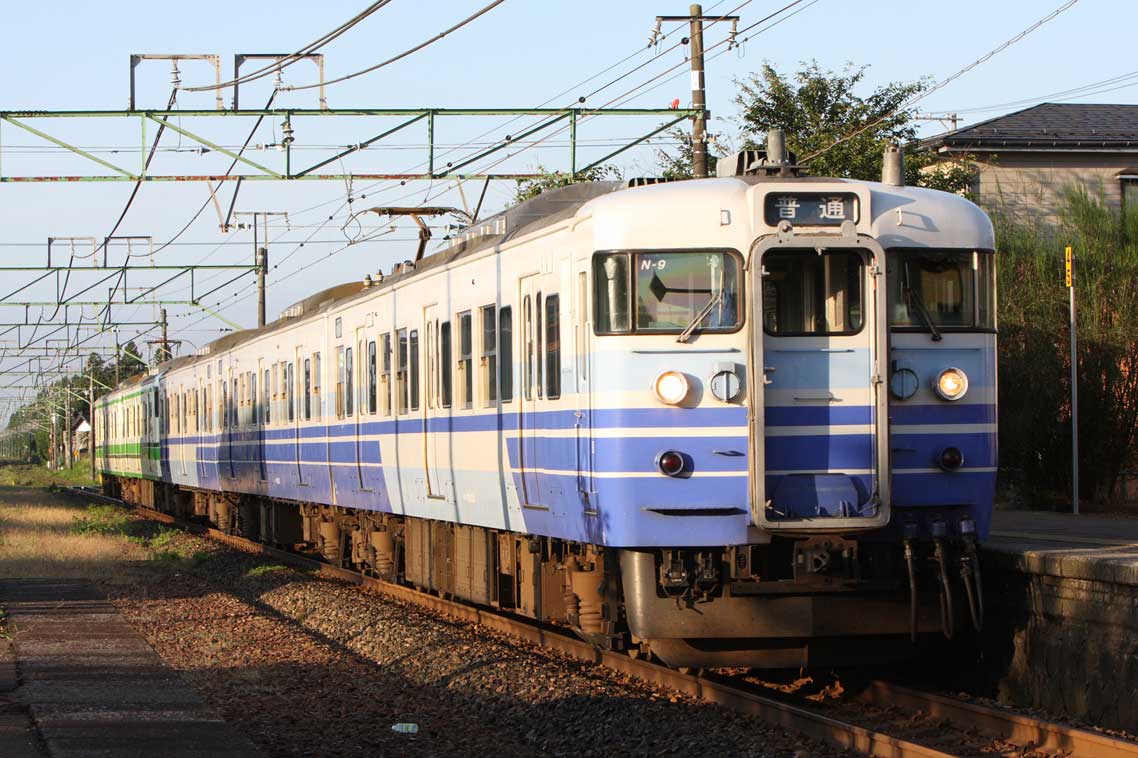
79,681
1095,548
1062,594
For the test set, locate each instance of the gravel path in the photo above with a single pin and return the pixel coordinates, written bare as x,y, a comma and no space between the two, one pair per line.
310,667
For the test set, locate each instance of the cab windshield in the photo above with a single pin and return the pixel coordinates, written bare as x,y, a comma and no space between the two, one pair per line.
941,289
665,292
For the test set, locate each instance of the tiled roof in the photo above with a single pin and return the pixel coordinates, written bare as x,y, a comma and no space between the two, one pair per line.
1078,127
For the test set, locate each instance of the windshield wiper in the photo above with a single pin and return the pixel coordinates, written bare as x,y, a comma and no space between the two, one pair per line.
919,303
686,334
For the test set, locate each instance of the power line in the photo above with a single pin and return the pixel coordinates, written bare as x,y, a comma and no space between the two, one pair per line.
288,60
405,53
585,81
1083,90
942,83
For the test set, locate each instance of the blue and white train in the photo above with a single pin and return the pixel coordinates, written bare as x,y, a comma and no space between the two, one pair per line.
747,420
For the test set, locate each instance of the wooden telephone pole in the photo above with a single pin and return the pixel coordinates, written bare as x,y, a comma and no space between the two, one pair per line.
698,83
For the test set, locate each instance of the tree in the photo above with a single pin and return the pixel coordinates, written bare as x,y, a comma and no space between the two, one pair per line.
130,361
679,166
528,188
816,108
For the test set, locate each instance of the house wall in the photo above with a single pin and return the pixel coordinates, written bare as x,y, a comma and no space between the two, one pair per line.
1030,186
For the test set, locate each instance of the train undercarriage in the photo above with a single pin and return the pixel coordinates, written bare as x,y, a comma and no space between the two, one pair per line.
790,603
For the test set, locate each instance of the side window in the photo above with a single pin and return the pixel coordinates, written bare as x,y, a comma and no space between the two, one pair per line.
465,359
307,389
233,398
445,363
582,325
371,378
489,362
340,382
506,343
223,409
552,347
538,336
401,373
414,369
254,399
349,387
387,386
290,389
527,337
316,382
266,402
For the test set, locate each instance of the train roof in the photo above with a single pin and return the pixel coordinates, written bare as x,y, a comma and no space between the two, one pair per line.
554,206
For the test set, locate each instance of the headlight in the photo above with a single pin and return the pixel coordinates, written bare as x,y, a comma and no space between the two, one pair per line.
671,387
951,384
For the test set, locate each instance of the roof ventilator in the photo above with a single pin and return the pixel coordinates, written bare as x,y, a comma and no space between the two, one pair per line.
773,160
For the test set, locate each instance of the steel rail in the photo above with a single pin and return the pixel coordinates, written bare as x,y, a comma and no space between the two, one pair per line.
1075,743
1014,727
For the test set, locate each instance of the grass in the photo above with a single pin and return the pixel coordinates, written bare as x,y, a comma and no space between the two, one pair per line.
101,519
268,568
29,475
50,536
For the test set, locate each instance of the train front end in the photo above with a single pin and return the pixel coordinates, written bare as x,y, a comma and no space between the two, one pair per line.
867,403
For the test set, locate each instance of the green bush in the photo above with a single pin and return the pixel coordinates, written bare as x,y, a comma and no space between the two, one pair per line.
101,519
1034,353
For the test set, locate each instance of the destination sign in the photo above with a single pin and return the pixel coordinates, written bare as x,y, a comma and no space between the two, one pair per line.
811,208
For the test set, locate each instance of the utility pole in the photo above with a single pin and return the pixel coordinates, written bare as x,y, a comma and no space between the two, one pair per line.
698,95
91,422
698,91
68,438
1069,280
163,353
261,255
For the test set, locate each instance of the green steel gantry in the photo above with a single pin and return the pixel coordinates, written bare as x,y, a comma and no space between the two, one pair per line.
568,117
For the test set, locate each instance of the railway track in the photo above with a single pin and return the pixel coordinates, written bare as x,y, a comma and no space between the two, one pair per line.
1041,736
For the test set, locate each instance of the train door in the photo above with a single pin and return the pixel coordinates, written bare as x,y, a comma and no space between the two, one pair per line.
260,405
531,390
820,446
582,351
355,367
293,409
202,426
229,405
436,408
183,429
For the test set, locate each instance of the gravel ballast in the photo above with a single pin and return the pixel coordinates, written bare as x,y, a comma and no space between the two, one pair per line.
306,666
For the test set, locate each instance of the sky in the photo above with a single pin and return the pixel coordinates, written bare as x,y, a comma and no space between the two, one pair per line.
70,55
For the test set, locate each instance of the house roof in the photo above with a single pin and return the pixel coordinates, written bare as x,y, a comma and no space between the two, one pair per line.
1074,127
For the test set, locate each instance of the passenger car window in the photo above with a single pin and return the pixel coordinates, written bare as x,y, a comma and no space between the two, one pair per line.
956,288
663,292
552,347
807,294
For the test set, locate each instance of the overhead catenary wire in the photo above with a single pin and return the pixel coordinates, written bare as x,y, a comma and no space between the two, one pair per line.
1085,90
639,51
942,83
561,94
299,55
409,51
